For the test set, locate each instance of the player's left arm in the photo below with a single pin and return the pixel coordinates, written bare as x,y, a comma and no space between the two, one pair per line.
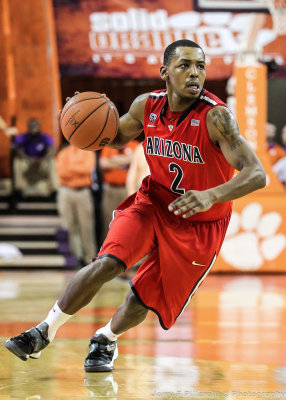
131,123
224,132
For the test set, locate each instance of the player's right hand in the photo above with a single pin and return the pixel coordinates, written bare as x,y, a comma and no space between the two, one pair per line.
192,202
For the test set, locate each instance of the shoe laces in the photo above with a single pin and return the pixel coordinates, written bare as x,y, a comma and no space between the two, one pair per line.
27,339
99,350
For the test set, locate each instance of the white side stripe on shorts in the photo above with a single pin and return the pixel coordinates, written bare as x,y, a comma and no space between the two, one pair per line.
195,288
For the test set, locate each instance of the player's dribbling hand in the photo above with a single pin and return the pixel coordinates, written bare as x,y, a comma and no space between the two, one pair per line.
68,98
192,202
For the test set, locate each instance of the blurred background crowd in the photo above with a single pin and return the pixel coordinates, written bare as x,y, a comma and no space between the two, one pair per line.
87,186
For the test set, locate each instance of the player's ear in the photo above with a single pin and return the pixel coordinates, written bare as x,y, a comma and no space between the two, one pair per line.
164,72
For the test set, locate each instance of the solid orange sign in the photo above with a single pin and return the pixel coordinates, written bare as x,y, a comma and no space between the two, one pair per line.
127,39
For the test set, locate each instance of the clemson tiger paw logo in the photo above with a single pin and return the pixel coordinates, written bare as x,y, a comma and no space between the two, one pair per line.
252,238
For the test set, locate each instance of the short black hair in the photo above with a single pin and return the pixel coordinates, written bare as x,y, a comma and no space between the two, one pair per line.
171,49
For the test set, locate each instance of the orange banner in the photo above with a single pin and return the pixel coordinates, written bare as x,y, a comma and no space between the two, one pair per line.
251,101
127,39
256,238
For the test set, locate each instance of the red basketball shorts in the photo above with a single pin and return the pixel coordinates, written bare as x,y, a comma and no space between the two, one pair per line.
181,254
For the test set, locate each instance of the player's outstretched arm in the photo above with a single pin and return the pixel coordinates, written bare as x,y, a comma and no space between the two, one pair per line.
223,131
131,123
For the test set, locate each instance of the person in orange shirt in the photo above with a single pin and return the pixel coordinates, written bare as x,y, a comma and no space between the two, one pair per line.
75,202
138,169
114,165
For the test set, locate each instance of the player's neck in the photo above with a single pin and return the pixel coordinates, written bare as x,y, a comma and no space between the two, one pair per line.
177,103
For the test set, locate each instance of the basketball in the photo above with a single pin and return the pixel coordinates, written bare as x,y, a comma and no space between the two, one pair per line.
89,121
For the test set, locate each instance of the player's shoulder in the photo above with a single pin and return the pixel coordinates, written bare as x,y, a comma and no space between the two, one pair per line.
158,94
155,94
215,109
138,107
140,101
157,99
211,99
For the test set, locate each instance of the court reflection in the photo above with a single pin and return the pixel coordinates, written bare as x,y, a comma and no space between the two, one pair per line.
101,385
231,338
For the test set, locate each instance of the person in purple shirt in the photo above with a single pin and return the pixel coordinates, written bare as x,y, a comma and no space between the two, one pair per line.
34,156
34,144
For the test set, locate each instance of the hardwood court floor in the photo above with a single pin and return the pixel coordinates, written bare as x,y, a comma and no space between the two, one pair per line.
230,343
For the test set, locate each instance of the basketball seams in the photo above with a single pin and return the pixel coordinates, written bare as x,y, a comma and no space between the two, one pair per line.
112,106
102,104
86,129
79,101
116,115
83,148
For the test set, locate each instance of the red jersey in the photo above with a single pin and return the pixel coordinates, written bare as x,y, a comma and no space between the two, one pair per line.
181,155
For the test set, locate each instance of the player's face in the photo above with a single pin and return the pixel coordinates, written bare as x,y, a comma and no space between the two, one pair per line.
186,72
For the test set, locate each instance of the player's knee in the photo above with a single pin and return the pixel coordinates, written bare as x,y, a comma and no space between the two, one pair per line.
133,306
107,268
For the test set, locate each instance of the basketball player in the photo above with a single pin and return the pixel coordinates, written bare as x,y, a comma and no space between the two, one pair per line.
179,215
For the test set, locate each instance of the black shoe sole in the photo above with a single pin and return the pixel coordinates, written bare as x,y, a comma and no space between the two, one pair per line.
11,346
98,369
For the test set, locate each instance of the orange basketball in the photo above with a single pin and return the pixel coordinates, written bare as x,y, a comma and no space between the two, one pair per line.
89,120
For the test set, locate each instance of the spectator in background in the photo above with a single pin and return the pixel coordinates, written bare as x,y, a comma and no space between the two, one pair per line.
34,161
138,169
7,159
75,201
276,153
114,164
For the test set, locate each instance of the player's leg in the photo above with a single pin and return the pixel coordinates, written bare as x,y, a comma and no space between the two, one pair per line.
121,249
131,313
86,283
103,345
79,293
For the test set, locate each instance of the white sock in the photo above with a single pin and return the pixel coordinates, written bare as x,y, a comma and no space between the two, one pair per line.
55,319
106,331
